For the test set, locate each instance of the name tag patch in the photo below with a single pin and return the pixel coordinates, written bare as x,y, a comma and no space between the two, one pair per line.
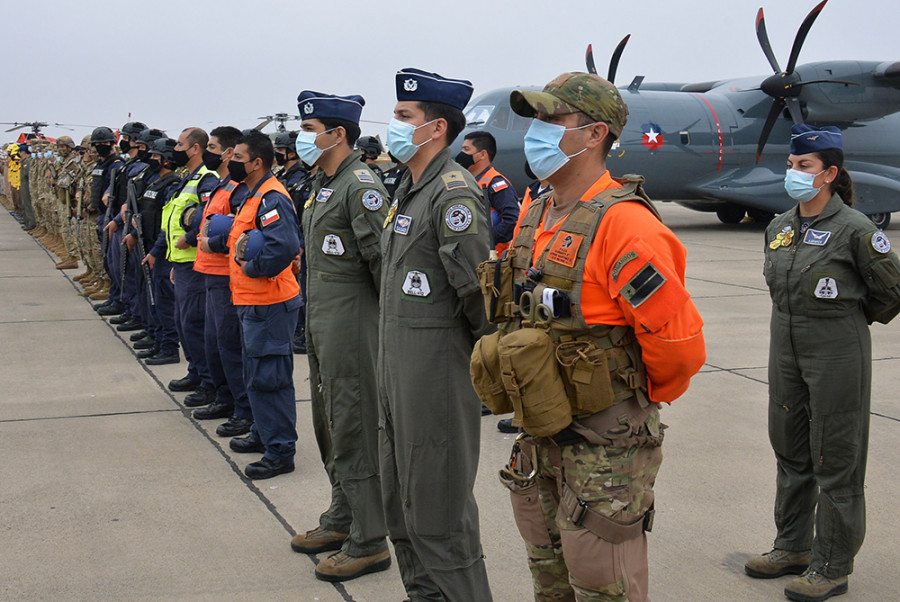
565,249
324,195
458,217
403,224
826,288
816,238
97,172
269,218
416,284
150,194
372,200
333,245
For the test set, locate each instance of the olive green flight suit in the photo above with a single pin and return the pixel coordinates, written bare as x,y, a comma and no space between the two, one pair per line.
827,285
431,315
342,222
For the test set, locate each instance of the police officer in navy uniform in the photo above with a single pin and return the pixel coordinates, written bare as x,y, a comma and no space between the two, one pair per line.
104,142
436,234
265,291
160,346
180,227
371,149
297,179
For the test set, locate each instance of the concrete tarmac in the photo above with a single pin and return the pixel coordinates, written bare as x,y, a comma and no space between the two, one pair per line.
109,490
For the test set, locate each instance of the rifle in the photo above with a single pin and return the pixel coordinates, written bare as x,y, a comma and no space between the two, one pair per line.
126,223
139,226
104,238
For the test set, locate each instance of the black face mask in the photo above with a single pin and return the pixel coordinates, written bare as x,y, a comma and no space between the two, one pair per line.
280,158
464,159
179,158
125,145
211,160
237,171
103,150
142,155
154,165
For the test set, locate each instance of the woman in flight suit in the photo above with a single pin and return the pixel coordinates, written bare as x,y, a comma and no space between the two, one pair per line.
830,274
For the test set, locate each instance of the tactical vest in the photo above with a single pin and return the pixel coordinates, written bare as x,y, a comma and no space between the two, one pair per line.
257,291
219,203
100,181
172,217
150,205
546,363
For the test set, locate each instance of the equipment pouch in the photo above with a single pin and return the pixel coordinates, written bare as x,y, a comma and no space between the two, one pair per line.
496,279
531,377
484,367
586,376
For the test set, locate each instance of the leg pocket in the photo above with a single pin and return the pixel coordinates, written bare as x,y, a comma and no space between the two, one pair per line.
428,494
526,505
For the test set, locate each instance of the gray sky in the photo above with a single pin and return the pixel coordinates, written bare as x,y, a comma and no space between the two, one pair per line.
207,63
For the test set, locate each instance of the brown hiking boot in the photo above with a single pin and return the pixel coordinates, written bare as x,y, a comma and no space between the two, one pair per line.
813,587
777,563
318,540
86,276
68,263
341,567
101,294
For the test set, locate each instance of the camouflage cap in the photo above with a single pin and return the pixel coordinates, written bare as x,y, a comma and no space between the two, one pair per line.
65,141
86,141
573,92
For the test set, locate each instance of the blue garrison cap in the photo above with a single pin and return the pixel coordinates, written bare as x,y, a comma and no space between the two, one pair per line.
422,86
808,139
316,105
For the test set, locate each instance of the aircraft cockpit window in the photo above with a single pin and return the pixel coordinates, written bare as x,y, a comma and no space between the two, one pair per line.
479,115
500,120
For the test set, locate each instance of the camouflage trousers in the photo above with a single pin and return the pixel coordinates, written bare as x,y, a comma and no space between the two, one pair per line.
568,559
89,244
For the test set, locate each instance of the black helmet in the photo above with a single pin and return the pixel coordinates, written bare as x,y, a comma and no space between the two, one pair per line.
370,145
164,147
286,140
133,129
148,135
101,135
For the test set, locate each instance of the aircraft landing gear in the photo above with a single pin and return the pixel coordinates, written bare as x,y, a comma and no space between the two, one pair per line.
759,216
882,220
730,214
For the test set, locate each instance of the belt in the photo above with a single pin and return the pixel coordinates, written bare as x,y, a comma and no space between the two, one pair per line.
587,428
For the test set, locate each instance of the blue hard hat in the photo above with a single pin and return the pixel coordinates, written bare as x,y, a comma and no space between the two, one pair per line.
217,224
249,244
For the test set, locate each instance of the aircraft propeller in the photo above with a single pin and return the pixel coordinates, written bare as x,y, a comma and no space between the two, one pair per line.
613,61
785,86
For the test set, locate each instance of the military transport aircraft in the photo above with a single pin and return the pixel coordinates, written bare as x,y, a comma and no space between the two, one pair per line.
722,146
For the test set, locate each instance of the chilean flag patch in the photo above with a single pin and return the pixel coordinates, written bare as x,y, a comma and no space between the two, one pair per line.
652,138
269,218
498,185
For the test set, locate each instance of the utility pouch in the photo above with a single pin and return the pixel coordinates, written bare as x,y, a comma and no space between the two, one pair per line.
585,372
531,377
484,367
497,283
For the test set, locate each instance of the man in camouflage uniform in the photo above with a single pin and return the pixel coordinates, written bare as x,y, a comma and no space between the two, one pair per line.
24,187
95,282
67,172
436,234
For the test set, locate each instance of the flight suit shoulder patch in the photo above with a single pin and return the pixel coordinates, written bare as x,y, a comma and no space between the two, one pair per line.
499,184
371,199
364,176
459,217
453,180
880,244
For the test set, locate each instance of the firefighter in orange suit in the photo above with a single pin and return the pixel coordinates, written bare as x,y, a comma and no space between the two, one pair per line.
605,282
267,297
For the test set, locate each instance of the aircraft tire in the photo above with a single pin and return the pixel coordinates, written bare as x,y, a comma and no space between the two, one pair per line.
730,214
759,216
882,220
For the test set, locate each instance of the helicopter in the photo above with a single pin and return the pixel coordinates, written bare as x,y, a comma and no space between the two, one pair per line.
721,146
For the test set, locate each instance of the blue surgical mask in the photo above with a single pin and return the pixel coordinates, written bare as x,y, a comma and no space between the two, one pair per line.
542,147
799,185
400,139
306,147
